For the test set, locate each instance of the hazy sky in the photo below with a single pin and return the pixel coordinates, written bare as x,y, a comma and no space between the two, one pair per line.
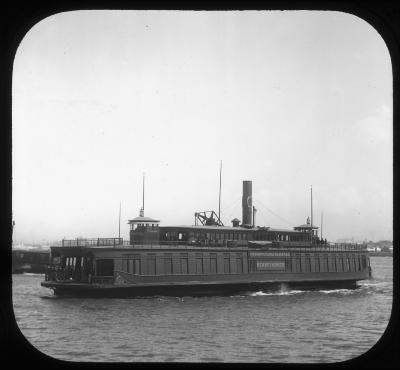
286,99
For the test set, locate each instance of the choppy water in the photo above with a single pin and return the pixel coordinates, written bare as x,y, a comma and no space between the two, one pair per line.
285,326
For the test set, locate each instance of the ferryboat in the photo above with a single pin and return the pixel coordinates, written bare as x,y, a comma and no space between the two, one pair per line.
207,258
32,261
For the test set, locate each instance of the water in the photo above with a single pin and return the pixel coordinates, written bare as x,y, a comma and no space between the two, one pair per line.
285,326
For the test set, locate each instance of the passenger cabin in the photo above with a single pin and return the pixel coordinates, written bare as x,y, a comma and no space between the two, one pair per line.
143,230
310,230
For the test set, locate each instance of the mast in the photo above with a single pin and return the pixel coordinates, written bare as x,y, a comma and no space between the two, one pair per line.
141,213
312,232
119,221
143,193
322,217
219,200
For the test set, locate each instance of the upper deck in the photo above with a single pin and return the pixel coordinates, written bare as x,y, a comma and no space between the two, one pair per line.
120,244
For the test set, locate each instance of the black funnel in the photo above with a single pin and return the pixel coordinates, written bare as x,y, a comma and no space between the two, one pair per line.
247,204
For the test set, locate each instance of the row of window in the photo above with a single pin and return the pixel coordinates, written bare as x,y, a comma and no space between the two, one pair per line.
177,236
324,264
144,226
199,265
273,236
232,235
311,263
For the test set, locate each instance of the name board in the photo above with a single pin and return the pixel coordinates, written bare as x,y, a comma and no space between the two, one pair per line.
270,265
269,254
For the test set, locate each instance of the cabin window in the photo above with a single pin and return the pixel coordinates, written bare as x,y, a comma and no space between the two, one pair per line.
213,264
199,263
136,266
105,267
168,264
347,263
308,263
298,263
206,264
288,264
180,236
131,266
239,265
227,268
184,264
326,264
317,264
151,265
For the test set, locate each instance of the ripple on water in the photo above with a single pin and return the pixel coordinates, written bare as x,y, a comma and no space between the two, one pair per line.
284,326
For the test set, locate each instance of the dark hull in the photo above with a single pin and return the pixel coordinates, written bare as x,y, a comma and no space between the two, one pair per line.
89,290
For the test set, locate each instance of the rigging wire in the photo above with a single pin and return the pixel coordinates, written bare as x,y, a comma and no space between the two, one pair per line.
233,206
275,214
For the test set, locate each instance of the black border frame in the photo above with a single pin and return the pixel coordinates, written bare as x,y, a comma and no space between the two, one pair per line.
18,18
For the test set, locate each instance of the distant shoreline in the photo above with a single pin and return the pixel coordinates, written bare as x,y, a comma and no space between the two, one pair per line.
381,254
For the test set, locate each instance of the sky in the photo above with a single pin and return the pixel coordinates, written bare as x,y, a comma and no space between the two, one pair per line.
286,99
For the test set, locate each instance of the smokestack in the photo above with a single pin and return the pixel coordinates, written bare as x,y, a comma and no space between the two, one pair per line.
247,204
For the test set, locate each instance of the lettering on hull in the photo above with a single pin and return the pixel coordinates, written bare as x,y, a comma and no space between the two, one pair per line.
268,266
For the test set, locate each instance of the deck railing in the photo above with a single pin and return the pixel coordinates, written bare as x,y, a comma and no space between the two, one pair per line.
293,246
99,242
330,247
